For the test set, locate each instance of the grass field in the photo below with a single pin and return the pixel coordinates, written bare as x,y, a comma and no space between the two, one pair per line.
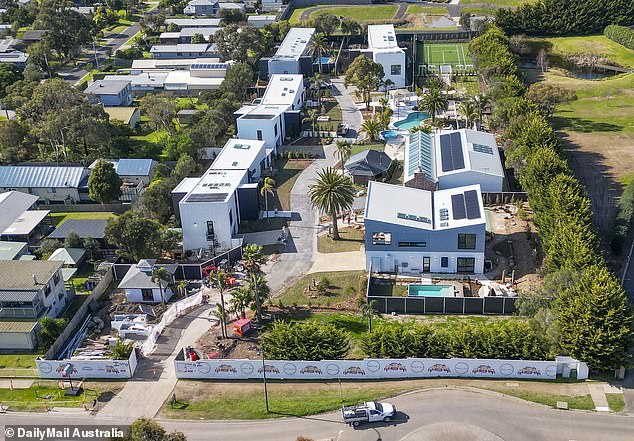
363,13
431,10
593,44
498,3
356,148
288,173
46,394
615,402
351,240
339,281
61,217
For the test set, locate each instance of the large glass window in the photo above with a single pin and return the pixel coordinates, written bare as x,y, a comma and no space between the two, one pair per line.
210,231
259,135
466,241
381,238
412,244
395,69
444,262
147,294
466,264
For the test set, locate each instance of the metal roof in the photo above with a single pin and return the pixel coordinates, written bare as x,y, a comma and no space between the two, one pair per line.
9,250
70,256
295,44
24,176
140,275
25,223
368,163
95,228
135,167
111,86
12,205
17,326
20,274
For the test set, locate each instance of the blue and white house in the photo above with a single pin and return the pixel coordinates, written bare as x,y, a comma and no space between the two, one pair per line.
451,159
293,55
113,93
414,231
384,50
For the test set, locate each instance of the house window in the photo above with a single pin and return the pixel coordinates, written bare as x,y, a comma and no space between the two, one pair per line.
55,279
210,231
259,135
52,190
275,129
60,296
444,262
230,217
412,244
147,295
466,264
47,290
395,69
381,238
466,241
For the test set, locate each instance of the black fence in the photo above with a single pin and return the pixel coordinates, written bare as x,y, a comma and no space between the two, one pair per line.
444,305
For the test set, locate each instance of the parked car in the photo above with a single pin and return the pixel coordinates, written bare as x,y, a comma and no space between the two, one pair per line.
370,412
325,84
342,129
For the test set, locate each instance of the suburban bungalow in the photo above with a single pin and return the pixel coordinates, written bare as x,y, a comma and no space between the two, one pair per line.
16,57
383,49
110,93
278,116
13,250
13,204
292,57
95,228
193,22
139,286
132,170
413,231
51,184
453,158
198,50
272,5
211,207
30,227
71,257
368,165
202,8
184,36
130,116
259,21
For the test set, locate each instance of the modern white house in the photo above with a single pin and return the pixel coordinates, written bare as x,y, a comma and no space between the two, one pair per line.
278,116
185,35
292,56
259,21
383,49
139,286
211,207
51,184
413,231
454,158
202,8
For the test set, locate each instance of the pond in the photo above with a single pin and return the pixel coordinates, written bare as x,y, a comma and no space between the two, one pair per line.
591,74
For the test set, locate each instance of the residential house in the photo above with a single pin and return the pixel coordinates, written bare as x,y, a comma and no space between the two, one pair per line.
272,5
139,286
259,21
383,49
130,116
193,22
199,50
15,57
368,165
278,116
110,93
233,6
71,257
184,36
167,64
212,206
413,231
132,171
293,55
453,158
30,227
13,250
13,204
32,36
95,228
202,8
51,184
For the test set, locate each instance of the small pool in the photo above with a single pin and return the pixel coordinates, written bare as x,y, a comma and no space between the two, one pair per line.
430,290
387,135
413,119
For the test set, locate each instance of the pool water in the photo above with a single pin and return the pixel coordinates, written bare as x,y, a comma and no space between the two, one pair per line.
430,290
389,134
413,119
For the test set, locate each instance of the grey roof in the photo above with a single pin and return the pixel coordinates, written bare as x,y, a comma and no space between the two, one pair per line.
23,176
192,47
13,57
33,35
107,87
9,250
18,274
17,296
194,22
18,325
95,228
70,256
140,275
135,167
12,205
368,163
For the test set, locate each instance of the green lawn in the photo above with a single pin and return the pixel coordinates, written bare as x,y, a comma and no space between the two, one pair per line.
359,13
431,10
61,217
82,274
594,44
74,306
289,171
356,148
498,3
35,398
17,361
338,291
489,12
351,240
615,402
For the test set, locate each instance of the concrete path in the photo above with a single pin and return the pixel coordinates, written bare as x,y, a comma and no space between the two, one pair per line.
348,261
351,115
598,397
15,384
155,378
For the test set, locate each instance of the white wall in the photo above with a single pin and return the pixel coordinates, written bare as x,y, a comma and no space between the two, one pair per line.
45,194
488,182
194,217
57,306
134,295
366,369
248,129
384,261
387,59
18,340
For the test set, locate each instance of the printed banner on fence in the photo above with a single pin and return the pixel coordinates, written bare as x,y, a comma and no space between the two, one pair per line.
54,369
227,369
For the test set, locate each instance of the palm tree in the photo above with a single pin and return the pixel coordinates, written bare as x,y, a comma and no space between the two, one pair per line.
219,279
253,259
316,83
160,275
331,193
268,187
371,127
384,102
481,101
312,116
387,84
424,127
344,150
241,299
259,289
469,110
369,312
318,46
435,102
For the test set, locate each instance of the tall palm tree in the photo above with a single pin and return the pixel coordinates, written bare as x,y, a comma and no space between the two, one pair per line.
423,127
387,84
241,300
316,80
435,102
161,277
469,110
219,279
331,193
481,101
258,289
371,127
344,150
253,259
268,187
311,118
318,47
384,102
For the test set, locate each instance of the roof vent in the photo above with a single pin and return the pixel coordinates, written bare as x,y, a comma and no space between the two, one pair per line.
34,279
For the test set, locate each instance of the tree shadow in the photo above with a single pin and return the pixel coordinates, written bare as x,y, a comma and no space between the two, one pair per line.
583,125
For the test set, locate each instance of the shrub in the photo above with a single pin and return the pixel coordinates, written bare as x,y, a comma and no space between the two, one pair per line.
621,34
305,341
623,219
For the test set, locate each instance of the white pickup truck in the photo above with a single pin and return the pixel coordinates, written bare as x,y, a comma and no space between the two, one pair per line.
370,412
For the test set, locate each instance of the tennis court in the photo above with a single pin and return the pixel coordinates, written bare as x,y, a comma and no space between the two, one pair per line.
433,55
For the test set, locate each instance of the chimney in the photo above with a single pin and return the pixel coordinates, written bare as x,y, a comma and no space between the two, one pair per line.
34,279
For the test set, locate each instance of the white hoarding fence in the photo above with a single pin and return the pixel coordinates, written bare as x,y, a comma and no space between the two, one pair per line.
102,368
227,369
169,316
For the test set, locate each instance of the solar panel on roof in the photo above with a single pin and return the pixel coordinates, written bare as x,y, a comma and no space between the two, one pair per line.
445,153
456,151
451,157
472,203
457,206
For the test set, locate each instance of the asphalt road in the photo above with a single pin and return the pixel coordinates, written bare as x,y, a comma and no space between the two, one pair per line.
438,415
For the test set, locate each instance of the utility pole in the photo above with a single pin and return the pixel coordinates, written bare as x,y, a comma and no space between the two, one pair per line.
266,393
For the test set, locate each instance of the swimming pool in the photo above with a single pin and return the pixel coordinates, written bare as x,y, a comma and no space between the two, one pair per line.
430,290
413,119
387,135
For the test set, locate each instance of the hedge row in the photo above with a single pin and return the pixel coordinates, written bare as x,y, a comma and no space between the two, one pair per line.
621,34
